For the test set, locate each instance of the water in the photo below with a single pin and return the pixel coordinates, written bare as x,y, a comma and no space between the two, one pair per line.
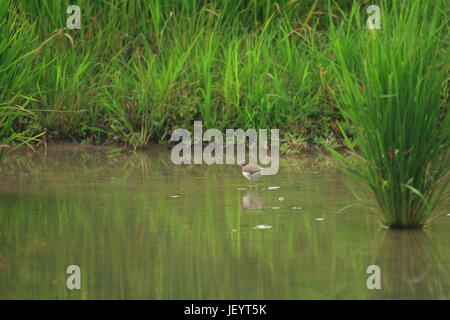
142,228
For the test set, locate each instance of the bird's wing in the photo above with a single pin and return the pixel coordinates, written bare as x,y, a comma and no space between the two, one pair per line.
252,168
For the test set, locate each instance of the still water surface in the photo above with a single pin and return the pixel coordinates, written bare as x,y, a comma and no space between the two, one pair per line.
140,227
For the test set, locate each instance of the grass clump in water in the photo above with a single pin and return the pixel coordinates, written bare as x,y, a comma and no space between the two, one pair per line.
390,86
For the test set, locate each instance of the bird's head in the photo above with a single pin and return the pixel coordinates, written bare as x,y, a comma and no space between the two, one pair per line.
242,163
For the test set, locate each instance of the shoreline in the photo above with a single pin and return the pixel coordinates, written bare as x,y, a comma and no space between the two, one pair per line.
286,149
55,151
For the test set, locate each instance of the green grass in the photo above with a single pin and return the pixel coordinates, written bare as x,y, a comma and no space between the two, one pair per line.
16,65
390,86
139,69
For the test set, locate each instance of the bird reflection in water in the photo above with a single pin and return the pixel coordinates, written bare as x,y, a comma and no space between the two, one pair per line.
253,201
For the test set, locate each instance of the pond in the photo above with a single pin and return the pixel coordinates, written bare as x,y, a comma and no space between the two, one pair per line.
140,227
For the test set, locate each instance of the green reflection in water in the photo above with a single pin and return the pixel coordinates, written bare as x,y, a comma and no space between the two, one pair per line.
115,218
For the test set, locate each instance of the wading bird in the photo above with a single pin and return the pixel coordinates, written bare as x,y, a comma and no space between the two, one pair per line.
251,171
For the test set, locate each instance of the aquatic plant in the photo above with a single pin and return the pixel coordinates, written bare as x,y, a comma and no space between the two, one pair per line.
390,83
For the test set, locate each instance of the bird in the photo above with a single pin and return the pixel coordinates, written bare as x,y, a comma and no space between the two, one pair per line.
251,171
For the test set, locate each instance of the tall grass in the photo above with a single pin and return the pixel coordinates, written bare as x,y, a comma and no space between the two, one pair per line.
16,67
390,85
139,69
